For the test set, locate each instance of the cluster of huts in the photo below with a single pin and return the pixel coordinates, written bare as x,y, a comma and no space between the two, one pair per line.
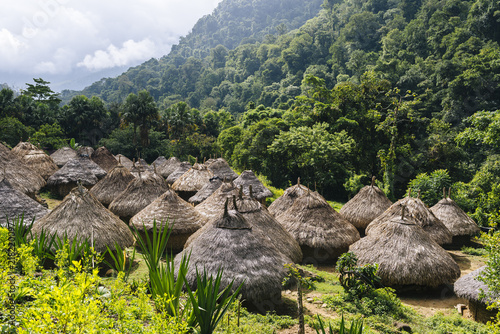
219,217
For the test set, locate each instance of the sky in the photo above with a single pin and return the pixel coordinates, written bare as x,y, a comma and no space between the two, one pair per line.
72,43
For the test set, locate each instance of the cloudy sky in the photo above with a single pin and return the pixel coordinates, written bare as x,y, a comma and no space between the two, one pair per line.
73,42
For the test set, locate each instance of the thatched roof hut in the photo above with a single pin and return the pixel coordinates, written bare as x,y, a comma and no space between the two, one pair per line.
126,162
103,157
4,149
112,185
92,166
167,209
178,172
169,166
80,214
35,158
140,192
85,150
461,226
369,203
285,201
20,176
406,255
247,179
159,161
67,177
469,287
219,167
261,220
424,217
14,204
243,254
63,155
190,182
213,206
322,233
140,167
208,189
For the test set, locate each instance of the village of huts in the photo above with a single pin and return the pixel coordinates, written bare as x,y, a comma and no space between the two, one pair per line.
221,219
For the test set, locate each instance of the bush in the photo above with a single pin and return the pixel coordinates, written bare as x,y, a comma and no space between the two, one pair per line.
430,186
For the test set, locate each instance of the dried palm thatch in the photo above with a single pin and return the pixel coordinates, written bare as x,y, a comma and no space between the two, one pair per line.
14,204
169,166
85,150
170,209
126,162
243,254
285,201
219,167
193,180
418,210
369,203
140,192
81,215
63,155
68,176
469,287
213,206
208,189
247,179
455,219
92,166
4,149
159,161
103,157
139,167
36,159
322,233
261,220
406,255
20,176
178,172
112,185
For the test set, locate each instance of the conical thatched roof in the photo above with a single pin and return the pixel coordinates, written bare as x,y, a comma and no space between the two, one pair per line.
406,255
140,167
285,201
424,217
213,206
243,254
454,218
81,214
20,176
14,203
103,157
219,167
85,150
112,185
169,166
36,159
193,180
92,166
261,220
140,192
63,155
369,203
126,162
178,172
322,233
67,177
208,189
247,179
160,161
170,208
4,149
470,287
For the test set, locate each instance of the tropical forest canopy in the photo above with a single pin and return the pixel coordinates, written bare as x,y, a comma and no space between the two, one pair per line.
405,90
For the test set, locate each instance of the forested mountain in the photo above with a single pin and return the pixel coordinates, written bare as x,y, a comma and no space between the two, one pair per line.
405,90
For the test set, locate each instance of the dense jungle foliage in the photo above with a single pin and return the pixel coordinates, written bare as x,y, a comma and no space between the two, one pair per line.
408,91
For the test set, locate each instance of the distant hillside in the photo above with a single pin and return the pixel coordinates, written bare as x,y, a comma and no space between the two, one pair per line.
232,23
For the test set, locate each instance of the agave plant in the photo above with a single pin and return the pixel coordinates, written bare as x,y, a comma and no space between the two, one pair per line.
355,328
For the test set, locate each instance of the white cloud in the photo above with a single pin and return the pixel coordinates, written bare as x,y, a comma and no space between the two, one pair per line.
130,52
61,37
